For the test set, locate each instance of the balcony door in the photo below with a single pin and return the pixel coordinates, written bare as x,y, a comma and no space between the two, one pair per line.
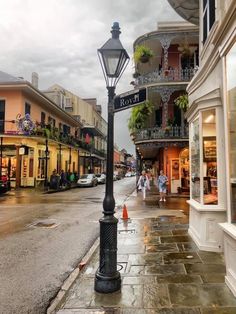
2,115
175,175
159,117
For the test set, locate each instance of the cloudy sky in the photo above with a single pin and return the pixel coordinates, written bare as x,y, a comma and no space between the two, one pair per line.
59,39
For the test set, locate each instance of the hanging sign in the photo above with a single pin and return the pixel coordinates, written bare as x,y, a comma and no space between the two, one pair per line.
130,99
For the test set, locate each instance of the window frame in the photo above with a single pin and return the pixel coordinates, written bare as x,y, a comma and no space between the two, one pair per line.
27,108
208,18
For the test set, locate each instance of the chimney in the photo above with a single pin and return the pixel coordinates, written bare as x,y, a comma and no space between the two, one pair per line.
35,79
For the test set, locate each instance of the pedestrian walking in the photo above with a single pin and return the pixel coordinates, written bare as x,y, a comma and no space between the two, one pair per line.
162,182
63,179
143,184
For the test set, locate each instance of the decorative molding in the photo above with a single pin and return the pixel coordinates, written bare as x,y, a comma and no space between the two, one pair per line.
211,99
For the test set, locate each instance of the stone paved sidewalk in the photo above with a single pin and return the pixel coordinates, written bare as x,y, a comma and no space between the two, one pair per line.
162,269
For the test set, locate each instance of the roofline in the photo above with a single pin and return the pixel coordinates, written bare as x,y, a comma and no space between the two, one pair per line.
23,83
192,29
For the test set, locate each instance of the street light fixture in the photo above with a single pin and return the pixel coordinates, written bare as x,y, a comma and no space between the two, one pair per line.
114,59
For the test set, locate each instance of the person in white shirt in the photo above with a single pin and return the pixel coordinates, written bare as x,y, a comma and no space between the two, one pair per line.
143,184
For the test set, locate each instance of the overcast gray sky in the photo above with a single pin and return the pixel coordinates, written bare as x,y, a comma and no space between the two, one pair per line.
59,39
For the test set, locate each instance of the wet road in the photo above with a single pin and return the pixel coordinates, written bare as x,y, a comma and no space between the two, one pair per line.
43,237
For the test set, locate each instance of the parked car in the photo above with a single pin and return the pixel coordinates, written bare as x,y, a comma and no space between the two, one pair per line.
115,177
101,178
128,174
87,180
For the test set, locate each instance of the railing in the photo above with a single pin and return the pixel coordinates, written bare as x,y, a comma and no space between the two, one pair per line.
171,75
90,148
54,134
175,132
98,152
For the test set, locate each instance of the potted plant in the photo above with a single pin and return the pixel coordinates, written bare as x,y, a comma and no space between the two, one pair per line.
142,54
182,102
139,117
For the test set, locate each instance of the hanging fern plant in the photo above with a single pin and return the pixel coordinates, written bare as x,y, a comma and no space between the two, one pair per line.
139,116
142,54
182,102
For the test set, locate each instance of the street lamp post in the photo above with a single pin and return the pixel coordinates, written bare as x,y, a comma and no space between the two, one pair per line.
114,59
46,165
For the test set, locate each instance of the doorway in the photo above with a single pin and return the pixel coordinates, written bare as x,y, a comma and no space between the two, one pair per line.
175,175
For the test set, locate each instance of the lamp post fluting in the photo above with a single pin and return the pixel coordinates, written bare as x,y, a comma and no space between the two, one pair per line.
114,59
46,165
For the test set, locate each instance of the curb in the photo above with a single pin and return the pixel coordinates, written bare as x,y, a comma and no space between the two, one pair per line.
60,190
60,297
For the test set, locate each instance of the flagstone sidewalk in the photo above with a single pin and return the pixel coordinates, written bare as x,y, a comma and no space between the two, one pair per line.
162,269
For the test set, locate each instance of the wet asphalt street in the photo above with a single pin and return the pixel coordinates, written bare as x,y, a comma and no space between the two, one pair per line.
43,237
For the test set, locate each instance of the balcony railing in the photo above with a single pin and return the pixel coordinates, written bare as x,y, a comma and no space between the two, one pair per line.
54,134
90,148
171,75
173,132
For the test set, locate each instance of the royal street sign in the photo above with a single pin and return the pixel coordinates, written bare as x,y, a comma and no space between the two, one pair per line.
129,99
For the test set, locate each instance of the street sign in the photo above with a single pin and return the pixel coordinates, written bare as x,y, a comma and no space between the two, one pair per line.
129,99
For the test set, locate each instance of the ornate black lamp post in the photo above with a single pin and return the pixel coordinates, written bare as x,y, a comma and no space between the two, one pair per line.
114,59
46,165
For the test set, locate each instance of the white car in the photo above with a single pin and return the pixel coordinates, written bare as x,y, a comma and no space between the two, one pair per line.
128,174
101,178
87,180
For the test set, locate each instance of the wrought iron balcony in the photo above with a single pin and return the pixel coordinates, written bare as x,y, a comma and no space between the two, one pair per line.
169,132
171,75
91,149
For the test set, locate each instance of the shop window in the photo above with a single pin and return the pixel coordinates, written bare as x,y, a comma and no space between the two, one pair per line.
184,164
9,161
231,98
195,160
210,186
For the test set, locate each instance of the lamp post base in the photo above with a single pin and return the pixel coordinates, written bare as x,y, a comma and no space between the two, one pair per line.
104,284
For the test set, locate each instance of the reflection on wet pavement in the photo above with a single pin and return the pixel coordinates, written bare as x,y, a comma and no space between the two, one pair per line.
162,270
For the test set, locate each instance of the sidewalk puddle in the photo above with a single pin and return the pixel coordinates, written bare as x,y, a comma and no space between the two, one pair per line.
45,224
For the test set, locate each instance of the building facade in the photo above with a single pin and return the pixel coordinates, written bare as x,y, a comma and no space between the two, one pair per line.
163,144
212,116
36,135
93,130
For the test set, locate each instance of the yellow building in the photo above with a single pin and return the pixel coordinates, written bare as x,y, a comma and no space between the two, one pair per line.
36,135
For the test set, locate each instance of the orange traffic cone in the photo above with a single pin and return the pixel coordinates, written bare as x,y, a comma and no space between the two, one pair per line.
125,213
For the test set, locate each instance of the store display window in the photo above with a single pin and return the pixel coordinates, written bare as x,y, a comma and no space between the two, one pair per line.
184,165
231,99
209,151
195,160
8,163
